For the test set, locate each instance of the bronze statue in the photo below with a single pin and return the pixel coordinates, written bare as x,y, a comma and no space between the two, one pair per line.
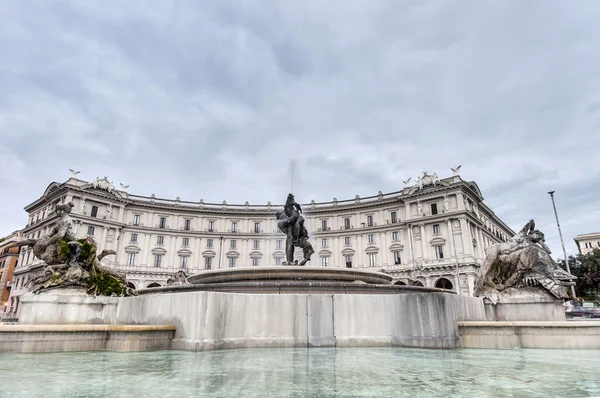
291,223
523,263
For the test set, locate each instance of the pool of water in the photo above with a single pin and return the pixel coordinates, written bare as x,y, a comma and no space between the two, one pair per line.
327,372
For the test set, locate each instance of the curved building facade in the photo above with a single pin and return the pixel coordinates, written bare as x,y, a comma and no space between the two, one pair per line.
432,234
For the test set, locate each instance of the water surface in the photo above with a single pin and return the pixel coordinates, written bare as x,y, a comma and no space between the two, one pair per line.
327,372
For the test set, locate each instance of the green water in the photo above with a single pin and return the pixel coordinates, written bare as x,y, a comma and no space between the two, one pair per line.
349,372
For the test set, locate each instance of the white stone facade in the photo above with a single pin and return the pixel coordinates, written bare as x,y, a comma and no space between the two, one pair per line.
586,243
421,235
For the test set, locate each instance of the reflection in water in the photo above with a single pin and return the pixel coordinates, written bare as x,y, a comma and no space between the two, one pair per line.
315,372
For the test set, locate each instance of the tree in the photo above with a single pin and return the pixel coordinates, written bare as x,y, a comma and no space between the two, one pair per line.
587,270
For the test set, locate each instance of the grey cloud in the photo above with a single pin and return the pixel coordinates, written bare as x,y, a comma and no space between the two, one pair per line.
210,99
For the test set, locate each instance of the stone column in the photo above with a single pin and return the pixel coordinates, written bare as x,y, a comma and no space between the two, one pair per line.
456,283
423,252
77,227
103,239
145,246
480,244
471,282
427,281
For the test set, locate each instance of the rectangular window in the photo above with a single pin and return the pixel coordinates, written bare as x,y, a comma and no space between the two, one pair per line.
434,208
136,219
278,261
256,244
398,257
346,223
348,260
256,227
162,223
160,240
324,225
395,235
94,212
325,261
209,243
439,252
394,217
254,261
187,224
232,244
372,259
347,241
91,230
278,244
231,262
324,242
234,226
207,262
157,260
211,226
369,221
130,258
183,260
134,238
436,229
371,238
185,242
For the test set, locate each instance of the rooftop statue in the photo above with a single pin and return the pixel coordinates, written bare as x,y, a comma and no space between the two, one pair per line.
72,263
291,223
521,266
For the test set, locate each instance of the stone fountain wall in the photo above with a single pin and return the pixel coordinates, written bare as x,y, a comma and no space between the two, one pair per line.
207,320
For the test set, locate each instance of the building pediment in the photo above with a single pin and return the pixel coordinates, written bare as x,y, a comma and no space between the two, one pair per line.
372,250
184,252
159,250
324,252
396,247
209,253
51,188
348,251
438,240
257,254
132,249
232,254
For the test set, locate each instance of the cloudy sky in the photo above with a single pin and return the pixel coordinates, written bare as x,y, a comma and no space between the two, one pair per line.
211,99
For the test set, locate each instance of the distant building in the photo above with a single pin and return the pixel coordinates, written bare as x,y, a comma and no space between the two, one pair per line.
8,261
588,242
431,234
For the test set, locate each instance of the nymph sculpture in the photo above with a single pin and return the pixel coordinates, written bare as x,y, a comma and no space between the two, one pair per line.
72,263
522,265
291,223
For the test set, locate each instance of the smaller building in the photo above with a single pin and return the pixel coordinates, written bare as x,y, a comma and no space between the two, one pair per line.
586,243
8,261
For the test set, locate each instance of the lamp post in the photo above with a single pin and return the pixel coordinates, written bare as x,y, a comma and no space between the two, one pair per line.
551,193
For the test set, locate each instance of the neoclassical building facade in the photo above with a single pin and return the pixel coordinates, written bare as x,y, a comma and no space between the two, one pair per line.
433,233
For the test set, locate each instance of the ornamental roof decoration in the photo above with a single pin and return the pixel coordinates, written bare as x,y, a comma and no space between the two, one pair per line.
103,183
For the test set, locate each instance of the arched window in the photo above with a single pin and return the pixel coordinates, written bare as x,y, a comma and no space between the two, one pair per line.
444,283
418,284
154,284
131,285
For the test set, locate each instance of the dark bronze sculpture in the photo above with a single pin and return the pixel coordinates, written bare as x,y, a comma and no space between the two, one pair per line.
523,264
291,223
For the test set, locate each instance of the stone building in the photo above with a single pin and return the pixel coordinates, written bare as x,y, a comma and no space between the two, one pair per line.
8,261
433,233
586,243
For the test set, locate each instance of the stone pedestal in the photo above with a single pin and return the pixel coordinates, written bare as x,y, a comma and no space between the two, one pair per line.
530,308
63,306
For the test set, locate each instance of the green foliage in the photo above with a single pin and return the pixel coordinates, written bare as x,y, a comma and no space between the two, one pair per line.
587,270
64,253
105,284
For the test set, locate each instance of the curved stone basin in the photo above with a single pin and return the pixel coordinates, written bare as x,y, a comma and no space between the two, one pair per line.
291,280
290,273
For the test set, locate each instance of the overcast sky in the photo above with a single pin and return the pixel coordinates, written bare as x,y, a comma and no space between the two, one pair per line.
211,100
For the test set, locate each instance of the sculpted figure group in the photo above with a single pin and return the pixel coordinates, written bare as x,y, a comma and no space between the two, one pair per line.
72,263
291,223
521,264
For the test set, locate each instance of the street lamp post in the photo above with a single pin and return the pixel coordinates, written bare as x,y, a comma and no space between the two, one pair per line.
551,193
